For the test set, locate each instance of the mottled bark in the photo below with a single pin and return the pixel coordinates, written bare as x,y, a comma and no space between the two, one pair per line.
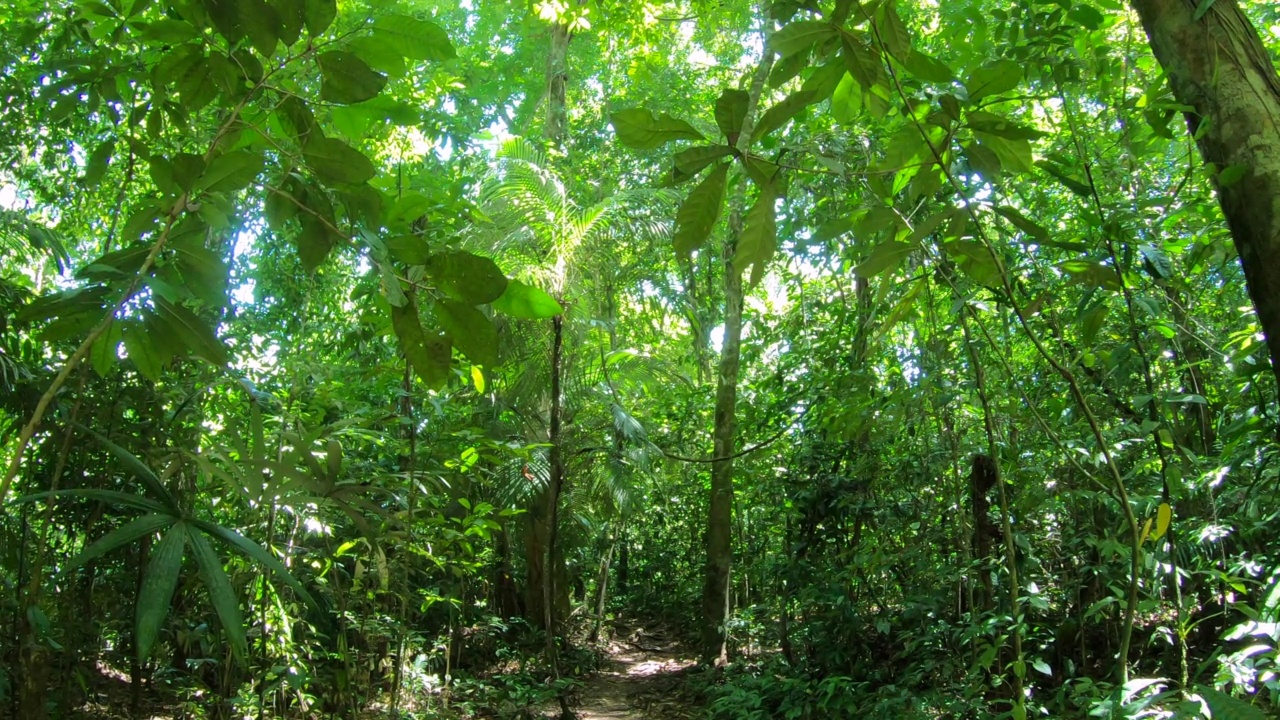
1218,66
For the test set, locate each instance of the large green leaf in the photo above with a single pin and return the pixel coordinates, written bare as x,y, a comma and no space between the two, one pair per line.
801,35
224,600
318,15
196,334
698,213
473,279
429,356
781,112
640,129
689,162
473,333
759,238
413,38
524,301
731,112
993,79
230,171
258,554
156,594
121,536
886,256
1225,707
346,79
335,161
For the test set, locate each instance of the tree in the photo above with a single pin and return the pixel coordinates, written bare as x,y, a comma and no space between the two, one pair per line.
1218,68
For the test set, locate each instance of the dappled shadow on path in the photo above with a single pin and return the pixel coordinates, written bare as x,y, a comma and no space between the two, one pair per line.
641,678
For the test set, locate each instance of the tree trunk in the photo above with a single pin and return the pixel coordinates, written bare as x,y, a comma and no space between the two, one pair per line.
715,591
1218,66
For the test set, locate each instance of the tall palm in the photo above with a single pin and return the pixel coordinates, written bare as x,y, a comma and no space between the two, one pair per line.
559,244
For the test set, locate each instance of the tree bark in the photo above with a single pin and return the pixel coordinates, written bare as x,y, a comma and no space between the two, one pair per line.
1218,66
715,590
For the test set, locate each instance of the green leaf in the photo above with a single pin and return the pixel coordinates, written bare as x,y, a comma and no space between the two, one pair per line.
423,352
892,32
156,594
297,118
1023,223
993,79
315,242
1156,262
224,600
928,69
640,129
846,101
110,497
121,536
824,80
688,163
346,79
292,17
255,552
260,24
473,279
1086,15
731,111
524,301
99,160
318,15
1222,705
1092,274
473,333
335,161
413,38
886,256
975,261
137,468
1060,173
800,35
141,350
759,238
781,112
995,125
1232,175
103,354
230,171
196,334
699,212
1015,155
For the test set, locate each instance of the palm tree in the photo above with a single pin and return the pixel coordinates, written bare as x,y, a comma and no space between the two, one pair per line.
561,246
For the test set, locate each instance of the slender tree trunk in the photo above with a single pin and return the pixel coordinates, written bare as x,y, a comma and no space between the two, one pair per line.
719,537
602,590
715,591
1218,66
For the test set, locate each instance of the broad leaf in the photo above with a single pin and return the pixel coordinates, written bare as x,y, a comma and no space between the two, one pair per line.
759,238
782,112
690,162
413,38
698,213
335,161
473,279
230,171
318,15
346,79
801,35
156,594
473,333
886,256
731,112
423,352
524,301
640,129
993,79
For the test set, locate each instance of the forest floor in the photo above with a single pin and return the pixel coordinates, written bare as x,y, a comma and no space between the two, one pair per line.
643,677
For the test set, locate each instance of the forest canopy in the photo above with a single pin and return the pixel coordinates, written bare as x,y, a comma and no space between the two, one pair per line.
685,358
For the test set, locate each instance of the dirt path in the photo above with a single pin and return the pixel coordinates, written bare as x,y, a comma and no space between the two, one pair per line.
640,681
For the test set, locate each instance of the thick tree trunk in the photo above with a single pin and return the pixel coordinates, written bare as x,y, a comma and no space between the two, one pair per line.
557,82
1218,66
